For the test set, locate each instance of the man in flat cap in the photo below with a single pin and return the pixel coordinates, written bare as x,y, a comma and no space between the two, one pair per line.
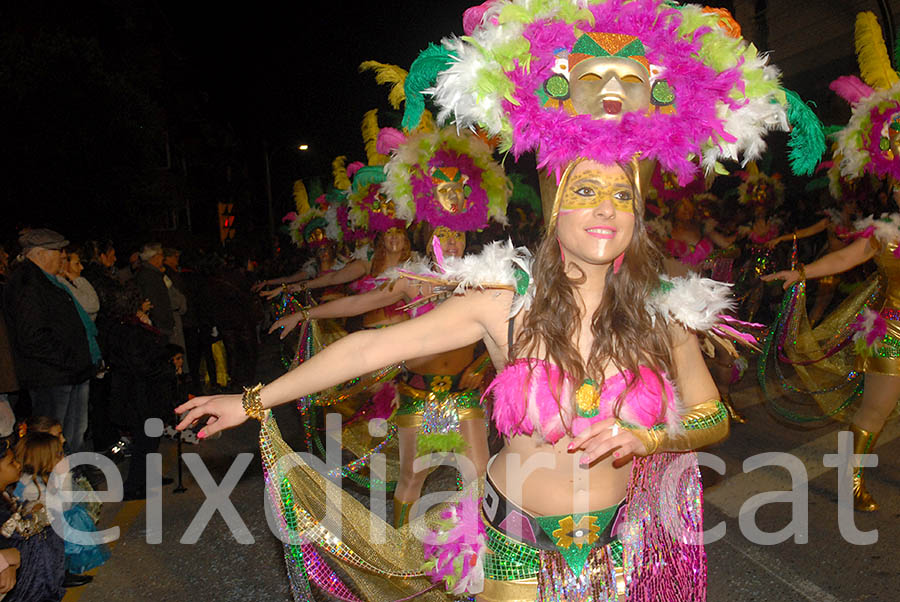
53,338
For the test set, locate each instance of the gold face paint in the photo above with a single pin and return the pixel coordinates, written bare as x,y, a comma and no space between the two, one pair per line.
589,188
453,242
608,87
451,196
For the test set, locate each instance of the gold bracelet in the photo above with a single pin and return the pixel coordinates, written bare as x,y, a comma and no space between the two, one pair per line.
284,287
252,403
801,269
305,313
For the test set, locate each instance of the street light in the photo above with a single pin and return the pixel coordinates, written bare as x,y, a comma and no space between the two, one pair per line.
267,155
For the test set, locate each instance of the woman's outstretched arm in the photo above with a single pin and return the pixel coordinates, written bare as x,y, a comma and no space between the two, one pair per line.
346,307
859,251
350,272
457,322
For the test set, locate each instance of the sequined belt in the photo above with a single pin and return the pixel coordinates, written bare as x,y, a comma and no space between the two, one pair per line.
436,411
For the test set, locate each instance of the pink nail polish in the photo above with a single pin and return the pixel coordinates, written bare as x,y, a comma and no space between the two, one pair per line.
201,435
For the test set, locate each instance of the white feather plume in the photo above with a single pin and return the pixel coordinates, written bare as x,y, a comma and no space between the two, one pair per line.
497,264
886,228
693,301
333,229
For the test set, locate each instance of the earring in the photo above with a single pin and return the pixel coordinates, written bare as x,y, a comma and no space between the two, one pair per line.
618,263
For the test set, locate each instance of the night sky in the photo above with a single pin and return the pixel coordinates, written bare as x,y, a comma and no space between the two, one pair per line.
288,72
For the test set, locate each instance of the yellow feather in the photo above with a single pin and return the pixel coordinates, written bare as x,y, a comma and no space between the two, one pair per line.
427,123
389,74
339,172
370,137
871,53
301,197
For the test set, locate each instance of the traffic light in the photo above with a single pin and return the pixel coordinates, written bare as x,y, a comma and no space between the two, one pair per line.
226,222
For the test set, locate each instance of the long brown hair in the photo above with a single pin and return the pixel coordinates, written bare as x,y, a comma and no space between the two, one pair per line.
624,332
379,258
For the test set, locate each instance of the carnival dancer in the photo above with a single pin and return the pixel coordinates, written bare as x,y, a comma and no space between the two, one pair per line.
838,225
868,144
590,341
762,193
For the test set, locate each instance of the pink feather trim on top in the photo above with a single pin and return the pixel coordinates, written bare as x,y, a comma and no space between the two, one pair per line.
389,140
851,88
524,397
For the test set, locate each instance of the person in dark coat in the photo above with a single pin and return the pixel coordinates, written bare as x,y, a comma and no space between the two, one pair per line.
100,271
53,339
142,381
151,280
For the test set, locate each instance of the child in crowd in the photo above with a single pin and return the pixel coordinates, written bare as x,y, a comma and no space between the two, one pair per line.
39,452
40,570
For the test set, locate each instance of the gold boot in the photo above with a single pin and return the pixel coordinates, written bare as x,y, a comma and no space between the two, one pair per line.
863,443
401,512
733,414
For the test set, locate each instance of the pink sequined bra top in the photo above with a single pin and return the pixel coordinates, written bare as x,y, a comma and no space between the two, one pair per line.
524,401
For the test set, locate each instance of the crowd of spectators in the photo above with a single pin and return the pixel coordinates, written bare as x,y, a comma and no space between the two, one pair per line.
97,349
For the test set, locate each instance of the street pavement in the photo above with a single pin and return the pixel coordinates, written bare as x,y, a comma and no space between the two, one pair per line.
821,566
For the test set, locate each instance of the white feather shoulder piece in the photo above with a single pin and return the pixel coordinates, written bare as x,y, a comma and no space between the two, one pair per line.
692,301
886,228
500,264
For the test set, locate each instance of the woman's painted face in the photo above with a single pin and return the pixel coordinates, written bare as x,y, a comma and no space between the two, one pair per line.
453,242
395,240
596,214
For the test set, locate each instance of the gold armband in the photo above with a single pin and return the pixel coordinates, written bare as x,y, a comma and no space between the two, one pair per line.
252,403
702,425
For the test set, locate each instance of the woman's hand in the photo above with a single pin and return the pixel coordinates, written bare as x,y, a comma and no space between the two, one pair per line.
789,277
271,293
287,323
604,437
224,411
260,285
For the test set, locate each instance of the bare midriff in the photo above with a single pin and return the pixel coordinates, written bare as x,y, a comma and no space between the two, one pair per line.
546,480
450,362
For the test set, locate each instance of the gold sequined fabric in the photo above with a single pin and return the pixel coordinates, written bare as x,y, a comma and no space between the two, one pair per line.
384,565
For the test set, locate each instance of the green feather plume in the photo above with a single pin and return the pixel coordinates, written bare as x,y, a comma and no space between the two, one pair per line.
422,75
807,136
441,443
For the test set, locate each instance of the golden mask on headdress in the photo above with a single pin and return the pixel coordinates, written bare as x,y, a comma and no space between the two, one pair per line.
449,188
317,235
605,76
